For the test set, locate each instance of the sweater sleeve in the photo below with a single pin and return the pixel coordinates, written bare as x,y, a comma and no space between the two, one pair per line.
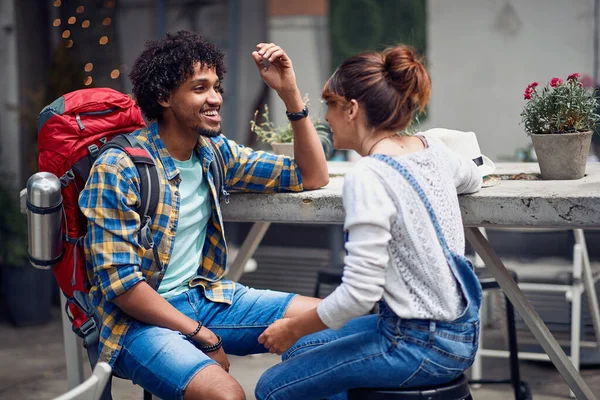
467,177
369,212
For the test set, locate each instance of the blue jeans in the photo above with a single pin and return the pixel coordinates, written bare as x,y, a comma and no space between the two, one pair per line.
163,362
372,351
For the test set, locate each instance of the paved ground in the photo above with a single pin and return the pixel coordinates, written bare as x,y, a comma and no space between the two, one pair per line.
32,366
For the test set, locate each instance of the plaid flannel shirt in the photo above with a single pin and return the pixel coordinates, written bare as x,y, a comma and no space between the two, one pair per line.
116,261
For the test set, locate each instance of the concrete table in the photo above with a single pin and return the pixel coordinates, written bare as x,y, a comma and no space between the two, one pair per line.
520,200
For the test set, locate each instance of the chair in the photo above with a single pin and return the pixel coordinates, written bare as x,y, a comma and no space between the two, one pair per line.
458,389
91,388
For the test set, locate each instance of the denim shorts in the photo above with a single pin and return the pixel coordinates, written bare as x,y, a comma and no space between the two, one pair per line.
163,362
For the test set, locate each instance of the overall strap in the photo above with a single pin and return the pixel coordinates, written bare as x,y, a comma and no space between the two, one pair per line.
413,182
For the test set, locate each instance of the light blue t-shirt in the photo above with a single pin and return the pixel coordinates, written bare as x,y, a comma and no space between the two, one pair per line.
194,214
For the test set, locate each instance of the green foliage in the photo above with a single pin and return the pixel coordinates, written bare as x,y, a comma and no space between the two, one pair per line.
383,23
559,107
13,228
266,130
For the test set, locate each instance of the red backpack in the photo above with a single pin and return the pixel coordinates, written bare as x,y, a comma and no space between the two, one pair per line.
72,132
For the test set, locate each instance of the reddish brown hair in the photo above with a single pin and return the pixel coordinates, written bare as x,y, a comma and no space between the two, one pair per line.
390,86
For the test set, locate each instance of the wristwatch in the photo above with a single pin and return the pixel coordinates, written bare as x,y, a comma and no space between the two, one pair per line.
297,115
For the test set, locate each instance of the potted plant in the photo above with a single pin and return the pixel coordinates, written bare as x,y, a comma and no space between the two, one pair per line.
281,138
27,290
560,119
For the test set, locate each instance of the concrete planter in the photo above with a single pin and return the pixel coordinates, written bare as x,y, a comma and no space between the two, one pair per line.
562,156
285,149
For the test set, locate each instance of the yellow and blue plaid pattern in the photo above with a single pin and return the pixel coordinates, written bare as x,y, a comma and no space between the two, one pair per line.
116,261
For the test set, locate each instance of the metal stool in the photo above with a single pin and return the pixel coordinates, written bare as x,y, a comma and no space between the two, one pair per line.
327,276
458,389
520,388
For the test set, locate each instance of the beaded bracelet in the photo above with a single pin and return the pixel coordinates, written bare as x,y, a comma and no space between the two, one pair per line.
212,347
189,336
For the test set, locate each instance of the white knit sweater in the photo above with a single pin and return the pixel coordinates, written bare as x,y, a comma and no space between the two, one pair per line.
392,249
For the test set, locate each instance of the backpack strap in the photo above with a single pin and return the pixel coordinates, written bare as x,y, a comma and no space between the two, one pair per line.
149,183
218,170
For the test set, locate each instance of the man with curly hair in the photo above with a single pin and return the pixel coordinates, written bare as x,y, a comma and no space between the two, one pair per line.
167,322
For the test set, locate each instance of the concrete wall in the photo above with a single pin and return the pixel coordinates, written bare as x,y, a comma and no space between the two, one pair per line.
483,53
302,32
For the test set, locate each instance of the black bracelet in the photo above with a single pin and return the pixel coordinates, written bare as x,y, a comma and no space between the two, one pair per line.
189,336
212,347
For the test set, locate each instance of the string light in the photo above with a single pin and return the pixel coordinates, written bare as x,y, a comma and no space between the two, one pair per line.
115,74
72,20
56,22
87,81
109,4
85,24
69,44
106,21
56,3
80,10
103,40
66,34
88,67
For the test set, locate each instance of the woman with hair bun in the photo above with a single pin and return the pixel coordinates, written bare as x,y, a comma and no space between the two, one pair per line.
404,249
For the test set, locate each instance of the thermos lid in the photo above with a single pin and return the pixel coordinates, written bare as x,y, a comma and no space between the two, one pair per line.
43,190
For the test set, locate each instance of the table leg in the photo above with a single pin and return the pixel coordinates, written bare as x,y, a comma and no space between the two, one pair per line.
588,280
255,236
73,349
529,315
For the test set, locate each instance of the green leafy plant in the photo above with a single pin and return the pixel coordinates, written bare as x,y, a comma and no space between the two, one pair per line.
268,132
559,107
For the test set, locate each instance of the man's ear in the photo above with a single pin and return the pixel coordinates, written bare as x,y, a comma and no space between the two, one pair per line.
352,109
165,102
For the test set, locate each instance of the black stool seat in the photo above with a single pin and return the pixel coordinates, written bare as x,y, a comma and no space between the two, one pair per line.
458,389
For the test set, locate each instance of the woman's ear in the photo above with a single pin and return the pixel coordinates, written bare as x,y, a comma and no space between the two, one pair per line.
352,109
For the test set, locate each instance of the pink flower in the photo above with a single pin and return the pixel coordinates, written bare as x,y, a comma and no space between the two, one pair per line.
580,84
554,82
574,76
532,85
527,96
587,81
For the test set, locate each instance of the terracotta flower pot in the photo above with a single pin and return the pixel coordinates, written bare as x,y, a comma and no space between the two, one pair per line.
562,156
285,149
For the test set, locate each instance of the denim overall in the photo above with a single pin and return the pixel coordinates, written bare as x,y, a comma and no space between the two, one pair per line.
382,350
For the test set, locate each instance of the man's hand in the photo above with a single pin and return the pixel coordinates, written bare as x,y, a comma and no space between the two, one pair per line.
279,337
280,74
220,357
206,337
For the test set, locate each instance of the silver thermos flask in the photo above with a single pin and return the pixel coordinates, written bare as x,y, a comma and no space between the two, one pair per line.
44,217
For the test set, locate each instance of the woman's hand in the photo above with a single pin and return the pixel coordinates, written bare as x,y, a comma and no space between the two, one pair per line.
280,336
279,75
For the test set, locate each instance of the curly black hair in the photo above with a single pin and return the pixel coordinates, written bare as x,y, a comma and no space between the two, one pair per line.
167,63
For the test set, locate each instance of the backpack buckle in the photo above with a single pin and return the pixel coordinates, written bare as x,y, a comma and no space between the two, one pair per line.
89,332
146,238
94,150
